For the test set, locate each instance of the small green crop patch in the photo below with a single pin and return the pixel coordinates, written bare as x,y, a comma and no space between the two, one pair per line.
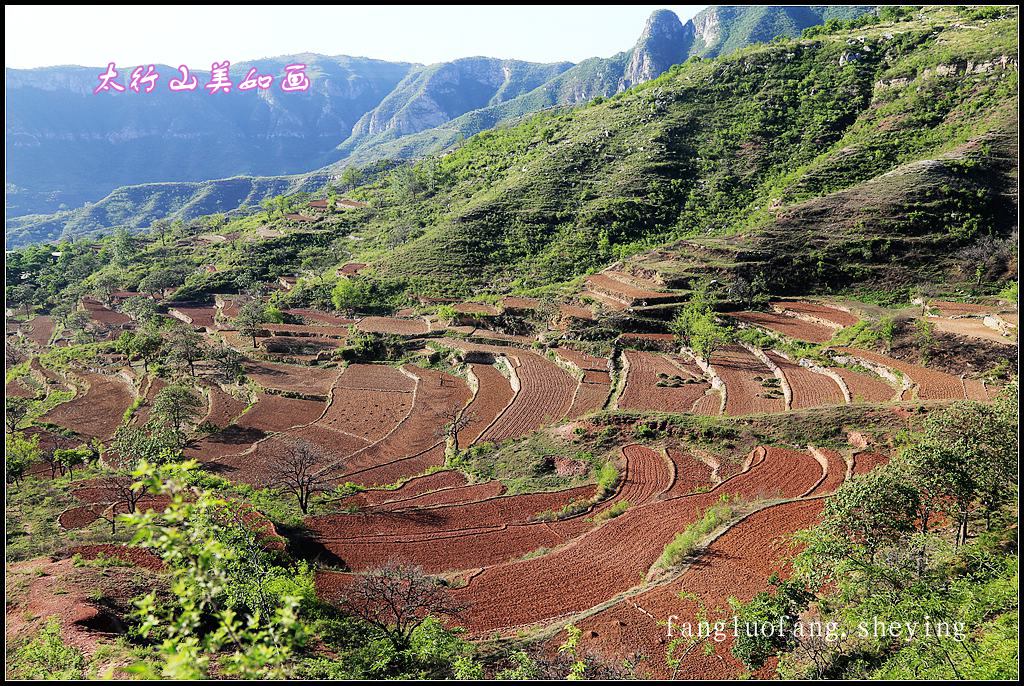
688,540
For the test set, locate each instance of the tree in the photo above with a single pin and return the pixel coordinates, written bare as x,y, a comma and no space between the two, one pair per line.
351,294
300,469
104,286
250,320
16,409
227,362
22,296
69,458
139,309
697,327
205,563
186,347
124,246
161,228
178,406
751,294
160,279
151,444
453,420
351,178
396,599
146,344
967,458
20,453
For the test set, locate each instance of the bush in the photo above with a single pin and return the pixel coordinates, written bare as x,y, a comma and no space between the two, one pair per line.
686,541
46,656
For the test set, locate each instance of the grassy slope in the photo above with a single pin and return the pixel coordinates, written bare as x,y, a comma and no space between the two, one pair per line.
722,147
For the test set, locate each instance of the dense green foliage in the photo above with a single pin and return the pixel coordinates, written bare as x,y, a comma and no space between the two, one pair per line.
927,541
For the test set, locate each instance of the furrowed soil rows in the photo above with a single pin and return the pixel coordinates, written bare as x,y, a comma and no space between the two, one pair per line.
232,440
708,405
737,564
613,557
458,495
39,329
402,327
315,317
399,469
201,317
865,388
258,467
370,401
589,397
648,475
692,474
376,377
452,538
224,407
103,315
371,415
787,326
98,412
545,394
488,512
479,547
931,384
277,413
307,330
582,361
410,489
156,384
292,378
975,389
810,389
646,371
823,312
493,395
743,374
864,462
436,395
836,472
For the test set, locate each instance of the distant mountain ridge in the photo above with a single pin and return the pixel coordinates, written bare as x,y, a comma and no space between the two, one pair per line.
365,111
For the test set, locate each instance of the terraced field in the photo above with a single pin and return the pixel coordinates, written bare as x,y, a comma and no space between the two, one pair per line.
533,560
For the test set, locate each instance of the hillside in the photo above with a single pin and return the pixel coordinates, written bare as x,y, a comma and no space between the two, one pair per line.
736,347
897,139
364,118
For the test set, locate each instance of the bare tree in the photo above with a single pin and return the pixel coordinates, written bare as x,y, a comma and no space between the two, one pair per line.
300,470
120,496
396,599
453,420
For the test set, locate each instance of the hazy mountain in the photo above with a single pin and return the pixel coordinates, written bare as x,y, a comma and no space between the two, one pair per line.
66,146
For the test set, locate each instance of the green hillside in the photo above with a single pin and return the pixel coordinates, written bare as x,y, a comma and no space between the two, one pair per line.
871,156
877,141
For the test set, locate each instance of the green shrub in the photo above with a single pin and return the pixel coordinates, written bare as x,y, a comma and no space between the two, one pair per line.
46,656
686,541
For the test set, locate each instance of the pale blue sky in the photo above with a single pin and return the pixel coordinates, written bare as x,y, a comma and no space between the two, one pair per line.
37,36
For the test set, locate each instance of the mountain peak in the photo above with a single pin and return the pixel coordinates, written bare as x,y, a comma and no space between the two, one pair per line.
665,41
